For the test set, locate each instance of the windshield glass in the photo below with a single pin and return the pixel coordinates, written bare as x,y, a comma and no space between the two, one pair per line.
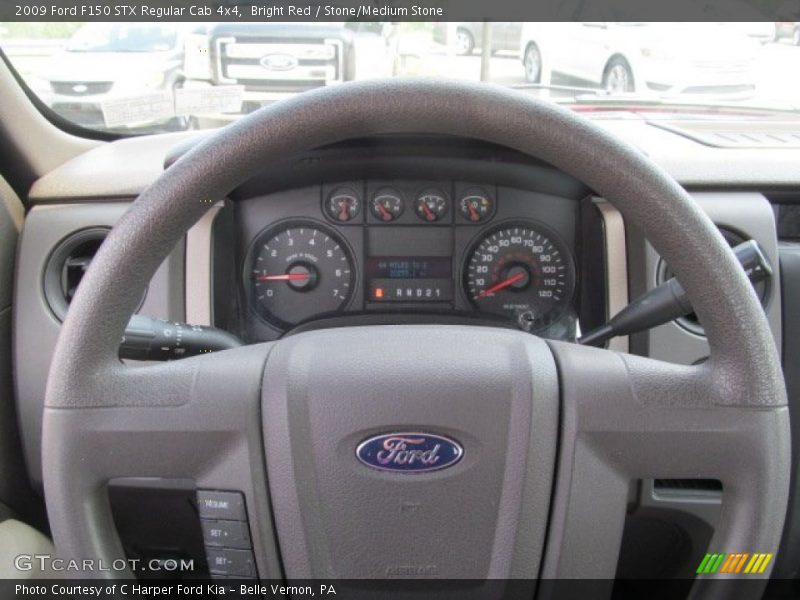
103,37
147,78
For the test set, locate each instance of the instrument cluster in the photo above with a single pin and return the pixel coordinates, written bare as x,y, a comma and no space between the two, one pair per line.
404,248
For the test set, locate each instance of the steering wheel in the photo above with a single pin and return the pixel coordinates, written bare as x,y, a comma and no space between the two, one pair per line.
552,433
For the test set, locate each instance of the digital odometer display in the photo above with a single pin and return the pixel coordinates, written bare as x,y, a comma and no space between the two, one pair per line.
416,267
409,279
520,271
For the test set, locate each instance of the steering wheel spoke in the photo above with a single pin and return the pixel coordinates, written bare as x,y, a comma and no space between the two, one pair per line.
185,419
627,418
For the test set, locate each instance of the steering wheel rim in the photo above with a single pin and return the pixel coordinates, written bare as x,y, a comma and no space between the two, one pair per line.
742,376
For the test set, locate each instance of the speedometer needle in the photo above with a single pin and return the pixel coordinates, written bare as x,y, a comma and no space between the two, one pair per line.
285,277
502,285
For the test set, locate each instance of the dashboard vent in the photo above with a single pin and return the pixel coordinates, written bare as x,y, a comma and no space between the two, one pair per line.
690,322
691,485
739,134
75,266
66,266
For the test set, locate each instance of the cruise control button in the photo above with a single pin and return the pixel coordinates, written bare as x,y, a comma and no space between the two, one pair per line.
237,563
221,505
230,534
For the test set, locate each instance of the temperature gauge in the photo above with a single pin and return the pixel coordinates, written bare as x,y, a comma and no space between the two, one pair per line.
476,205
343,205
386,205
431,205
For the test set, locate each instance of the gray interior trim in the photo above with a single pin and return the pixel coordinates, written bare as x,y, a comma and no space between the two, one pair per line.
11,218
747,213
15,489
616,433
35,326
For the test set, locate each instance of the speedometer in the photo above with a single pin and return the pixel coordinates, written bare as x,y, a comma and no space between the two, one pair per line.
520,271
296,271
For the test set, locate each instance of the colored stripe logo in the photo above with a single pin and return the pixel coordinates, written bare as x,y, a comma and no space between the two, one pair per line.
742,563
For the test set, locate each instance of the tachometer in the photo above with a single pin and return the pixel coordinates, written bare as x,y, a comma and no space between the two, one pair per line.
296,271
520,271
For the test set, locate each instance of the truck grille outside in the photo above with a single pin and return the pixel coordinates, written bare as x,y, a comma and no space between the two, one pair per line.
81,88
279,64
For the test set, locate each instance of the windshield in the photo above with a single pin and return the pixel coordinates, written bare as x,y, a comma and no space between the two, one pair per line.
147,78
103,37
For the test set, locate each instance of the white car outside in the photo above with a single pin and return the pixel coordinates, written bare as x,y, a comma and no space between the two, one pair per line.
104,62
645,58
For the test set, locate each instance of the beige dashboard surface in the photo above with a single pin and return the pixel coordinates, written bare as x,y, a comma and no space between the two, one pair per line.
125,167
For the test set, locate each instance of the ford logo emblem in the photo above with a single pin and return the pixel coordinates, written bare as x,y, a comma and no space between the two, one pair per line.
409,452
278,62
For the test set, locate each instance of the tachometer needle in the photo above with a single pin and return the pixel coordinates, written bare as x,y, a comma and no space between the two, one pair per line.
284,277
503,284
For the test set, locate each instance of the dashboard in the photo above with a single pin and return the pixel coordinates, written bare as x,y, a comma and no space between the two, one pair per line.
416,230
403,249
497,216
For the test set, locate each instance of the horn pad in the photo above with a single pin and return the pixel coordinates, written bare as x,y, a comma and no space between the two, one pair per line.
410,452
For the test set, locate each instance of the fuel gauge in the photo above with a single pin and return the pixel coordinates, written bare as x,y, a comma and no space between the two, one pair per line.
431,205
